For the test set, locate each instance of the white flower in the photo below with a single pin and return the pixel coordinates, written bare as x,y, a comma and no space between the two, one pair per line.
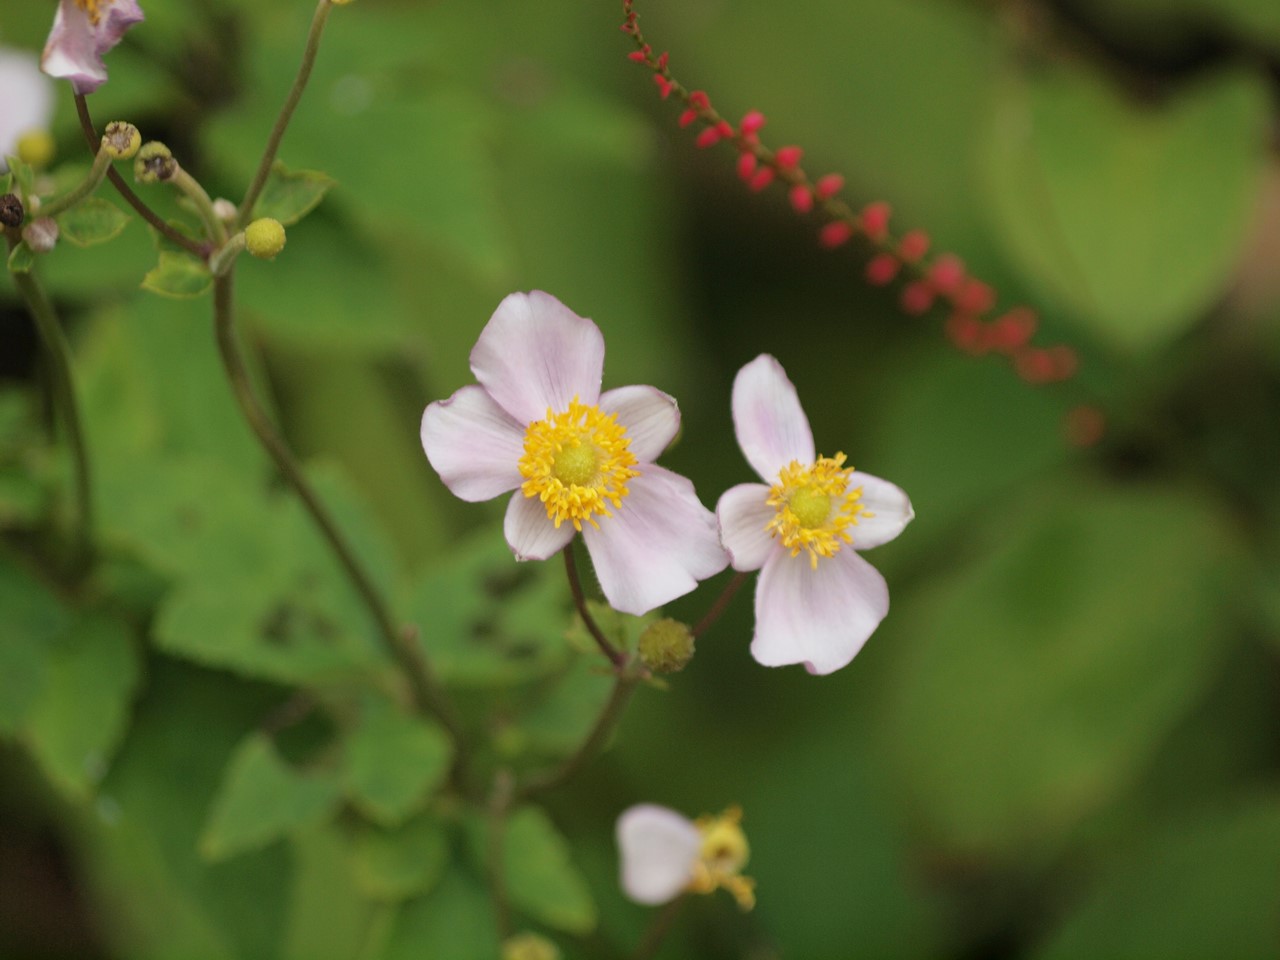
578,460
664,854
83,30
817,600
26,100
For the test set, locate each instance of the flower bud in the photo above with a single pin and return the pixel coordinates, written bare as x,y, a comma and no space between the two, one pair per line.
666,646
121,140
529,946
154,163
264,238
41,234
36,148
225,210
11,212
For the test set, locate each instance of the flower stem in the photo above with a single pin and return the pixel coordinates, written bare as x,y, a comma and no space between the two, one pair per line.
58,350
499,809
197,194
722,603
615,655
624,686
429,696
286,114
101,164
117,181
659,927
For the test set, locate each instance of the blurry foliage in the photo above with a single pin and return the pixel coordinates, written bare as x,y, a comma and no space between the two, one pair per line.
1062,743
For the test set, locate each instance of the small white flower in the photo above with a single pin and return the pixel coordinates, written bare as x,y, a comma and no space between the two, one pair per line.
26,100
84,30
664,854
817,600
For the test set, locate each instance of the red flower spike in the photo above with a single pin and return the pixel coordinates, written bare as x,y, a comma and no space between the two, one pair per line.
875,220
663,84
1013,330
662,60
913,245
746,165
639,56
725,128
687,118
1084,426
882,268
752,122
1064,362
947,273
835,233
975,297
699,100
708,138
801,198
828,186
1034,365
917,298
966,332
788,157
763,177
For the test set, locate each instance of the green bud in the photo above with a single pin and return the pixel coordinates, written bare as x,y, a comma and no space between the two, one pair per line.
666,646
154,163
264,238
121,140
529,946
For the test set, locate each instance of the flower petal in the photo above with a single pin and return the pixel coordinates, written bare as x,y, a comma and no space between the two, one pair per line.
530,532
26,100
473,444
657,545
651,418
658,848
768,419
821,617
743,516
535,353
75,46
890,507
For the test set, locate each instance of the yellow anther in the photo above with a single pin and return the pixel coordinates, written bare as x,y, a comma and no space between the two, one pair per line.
815,507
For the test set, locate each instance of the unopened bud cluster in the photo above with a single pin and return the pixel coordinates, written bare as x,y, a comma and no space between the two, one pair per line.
154,163
666,646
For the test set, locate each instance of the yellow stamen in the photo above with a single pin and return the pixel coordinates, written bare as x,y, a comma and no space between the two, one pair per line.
723,854
93,8
578,463
814,507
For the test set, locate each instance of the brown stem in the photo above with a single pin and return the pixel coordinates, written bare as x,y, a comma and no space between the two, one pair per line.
659,927
615,656
722,603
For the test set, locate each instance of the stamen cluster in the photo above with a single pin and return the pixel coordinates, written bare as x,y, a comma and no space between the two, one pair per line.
815,507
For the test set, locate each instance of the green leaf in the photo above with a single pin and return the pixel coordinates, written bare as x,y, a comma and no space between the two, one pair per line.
561,713
33,619
1206,887
21,258
289,195
328,919
83,709
393,762
24,178
178,275
92,221
454,922
1029,687
6,183
409,861
262,799
1077,176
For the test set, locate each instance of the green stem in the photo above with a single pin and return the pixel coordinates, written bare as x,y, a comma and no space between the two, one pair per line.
659,927
605,724
580,601
101,164
58,350
429,696
197,194
722,603
286,114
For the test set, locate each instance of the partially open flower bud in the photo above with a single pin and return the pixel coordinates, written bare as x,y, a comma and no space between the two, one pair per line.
264,238
11,212
529,946
121,140
666,646
225,210
154,163
41,234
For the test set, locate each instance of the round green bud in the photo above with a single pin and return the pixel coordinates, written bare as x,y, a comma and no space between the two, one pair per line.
529,946
154,163
666,646
264,238
36,148
121,140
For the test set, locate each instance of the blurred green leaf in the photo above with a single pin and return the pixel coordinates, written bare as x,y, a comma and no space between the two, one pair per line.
454,922
393,762
21,258
1032,684
1200,887
91,222
24,177
406,862
262,799
178,275
329,918
289,195
563,710
33,619
1130,217
83,707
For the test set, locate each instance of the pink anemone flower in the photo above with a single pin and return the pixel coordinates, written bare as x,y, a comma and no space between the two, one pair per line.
579,461
817,601
83,30
663,854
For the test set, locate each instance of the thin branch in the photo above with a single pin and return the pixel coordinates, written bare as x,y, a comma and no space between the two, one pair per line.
616,657
722,603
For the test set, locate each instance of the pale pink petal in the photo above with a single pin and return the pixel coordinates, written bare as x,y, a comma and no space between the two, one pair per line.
821,617
530,532
743,516
535,353
768,419
75,46
26,100
473,444
658,849
651,418
657,545
890,506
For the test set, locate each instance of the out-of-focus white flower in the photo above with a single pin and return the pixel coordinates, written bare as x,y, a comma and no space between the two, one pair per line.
664,854
26,104
817,600
84,30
